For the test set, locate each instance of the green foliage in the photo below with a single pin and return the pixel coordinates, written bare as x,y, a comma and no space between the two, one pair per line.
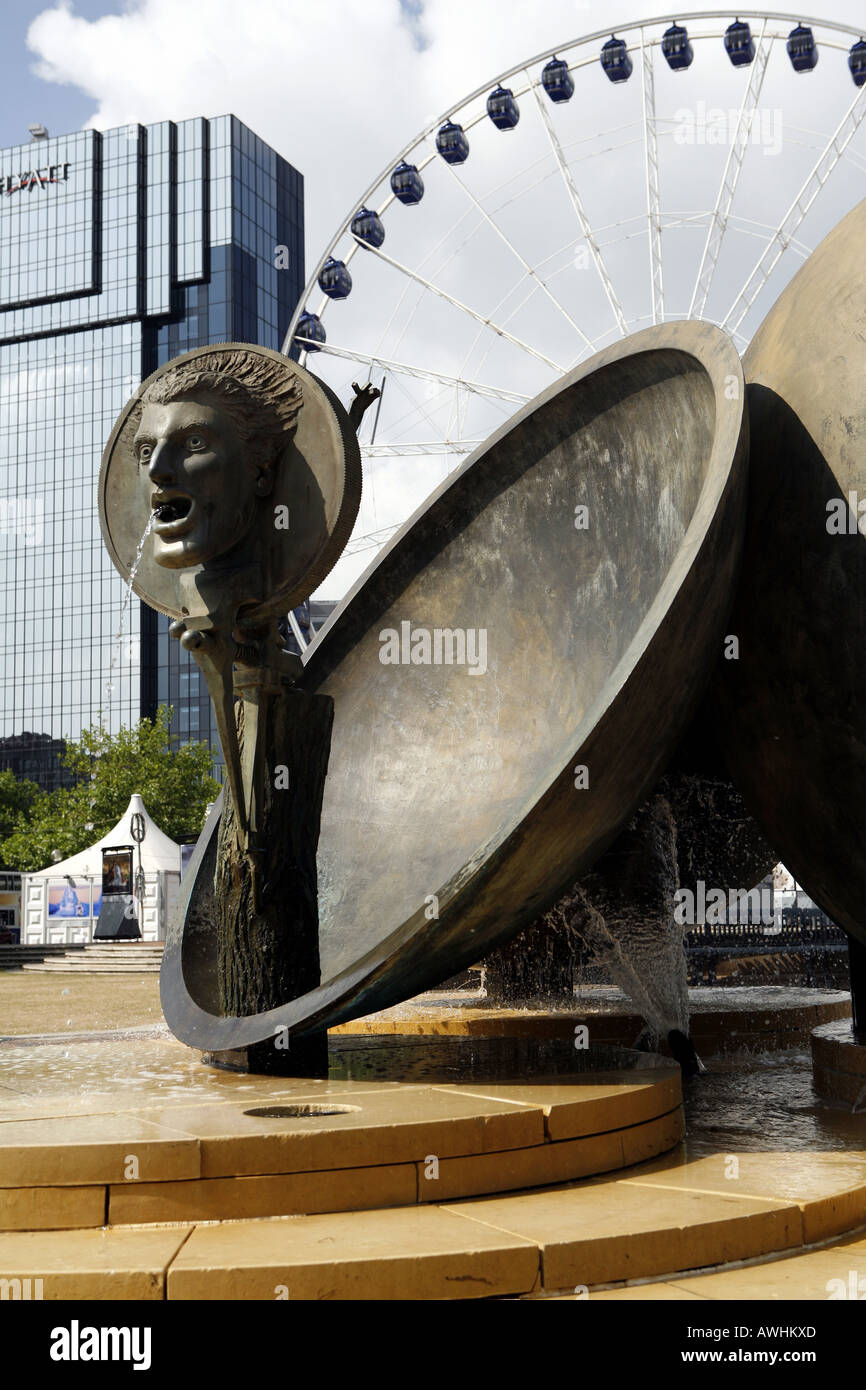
56,820
16,799
175,786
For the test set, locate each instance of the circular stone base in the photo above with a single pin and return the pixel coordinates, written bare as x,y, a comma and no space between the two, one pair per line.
734,1019
839,1065
142,1131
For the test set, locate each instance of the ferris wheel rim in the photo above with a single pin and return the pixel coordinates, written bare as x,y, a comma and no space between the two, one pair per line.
648,129
634,26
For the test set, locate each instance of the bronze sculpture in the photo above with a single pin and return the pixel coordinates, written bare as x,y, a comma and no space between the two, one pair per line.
792,709
434,816
247,517
244,474
450,813
208,443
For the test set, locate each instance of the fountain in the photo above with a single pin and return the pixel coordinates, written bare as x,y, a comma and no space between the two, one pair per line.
441,866
127,598
791,714
484,807
516,729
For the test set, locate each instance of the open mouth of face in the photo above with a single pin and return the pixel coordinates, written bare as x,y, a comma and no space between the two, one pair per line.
172,512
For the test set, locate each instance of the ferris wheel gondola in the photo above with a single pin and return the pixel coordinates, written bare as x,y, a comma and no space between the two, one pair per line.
661,193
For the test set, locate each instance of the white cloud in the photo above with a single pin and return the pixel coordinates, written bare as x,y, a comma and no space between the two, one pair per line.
309,78
338,87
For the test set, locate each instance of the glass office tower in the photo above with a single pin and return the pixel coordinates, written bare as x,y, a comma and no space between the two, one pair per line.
118,251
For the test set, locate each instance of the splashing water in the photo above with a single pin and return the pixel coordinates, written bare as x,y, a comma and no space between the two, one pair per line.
109,685
642,953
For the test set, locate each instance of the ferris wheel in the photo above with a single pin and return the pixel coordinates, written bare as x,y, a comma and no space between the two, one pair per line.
669,170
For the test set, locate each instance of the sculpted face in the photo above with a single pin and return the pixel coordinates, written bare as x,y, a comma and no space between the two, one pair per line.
194,476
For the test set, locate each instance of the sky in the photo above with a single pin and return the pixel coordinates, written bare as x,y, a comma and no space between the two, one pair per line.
339,87
333,85
26,98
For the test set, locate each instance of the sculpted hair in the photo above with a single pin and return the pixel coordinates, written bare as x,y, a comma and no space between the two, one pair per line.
262,397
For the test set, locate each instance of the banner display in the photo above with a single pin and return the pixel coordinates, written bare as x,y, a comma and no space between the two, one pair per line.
117,871
69,898
118,919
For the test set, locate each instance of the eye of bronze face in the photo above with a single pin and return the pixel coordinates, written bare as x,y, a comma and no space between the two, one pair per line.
144,452
196,442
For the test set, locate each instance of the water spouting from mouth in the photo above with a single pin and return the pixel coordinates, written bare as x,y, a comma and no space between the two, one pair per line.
115,657
171,509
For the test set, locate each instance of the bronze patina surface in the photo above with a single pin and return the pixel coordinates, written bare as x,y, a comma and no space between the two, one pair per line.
462,797
793,707
228,489
271,510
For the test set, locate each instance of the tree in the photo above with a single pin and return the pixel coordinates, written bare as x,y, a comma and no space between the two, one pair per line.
16,799
175,785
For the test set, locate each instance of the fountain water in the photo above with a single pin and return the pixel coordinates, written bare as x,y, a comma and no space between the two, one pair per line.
621,917
127,597
623,911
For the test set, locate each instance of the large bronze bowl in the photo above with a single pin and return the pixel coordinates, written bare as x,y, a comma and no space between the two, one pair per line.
793,707
451,814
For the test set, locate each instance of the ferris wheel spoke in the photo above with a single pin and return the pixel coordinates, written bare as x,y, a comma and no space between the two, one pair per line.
821,171
443,445
423,373
490,344
466,309
417,407
456,251
420,449
730,177
651,161
440,412
580,212
542,284
372,540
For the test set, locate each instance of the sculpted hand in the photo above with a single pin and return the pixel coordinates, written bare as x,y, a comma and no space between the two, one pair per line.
364,398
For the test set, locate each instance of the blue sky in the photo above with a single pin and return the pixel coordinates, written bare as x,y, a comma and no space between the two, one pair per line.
24,97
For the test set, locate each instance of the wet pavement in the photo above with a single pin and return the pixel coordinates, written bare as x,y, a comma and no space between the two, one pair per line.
752,1102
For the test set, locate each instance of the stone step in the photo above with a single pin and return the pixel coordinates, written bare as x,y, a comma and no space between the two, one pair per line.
88,949
298,1147
95,958
13,957
269,1187
44,946
149,948
94,968
97,953
113,953
674,1223
833,1271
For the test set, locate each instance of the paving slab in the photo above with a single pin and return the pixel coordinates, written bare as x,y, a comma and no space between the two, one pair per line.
609,1230
51,1208
105,1148
829,1188
291,1194
83,1265
381,1127
412,1253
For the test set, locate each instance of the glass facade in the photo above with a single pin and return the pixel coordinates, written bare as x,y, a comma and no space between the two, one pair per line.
117,252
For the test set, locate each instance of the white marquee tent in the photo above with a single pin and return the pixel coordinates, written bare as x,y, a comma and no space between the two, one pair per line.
61,903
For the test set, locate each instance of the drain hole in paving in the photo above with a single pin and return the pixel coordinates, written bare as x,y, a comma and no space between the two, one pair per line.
300,1112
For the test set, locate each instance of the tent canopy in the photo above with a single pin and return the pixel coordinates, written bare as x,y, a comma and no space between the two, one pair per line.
157,850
